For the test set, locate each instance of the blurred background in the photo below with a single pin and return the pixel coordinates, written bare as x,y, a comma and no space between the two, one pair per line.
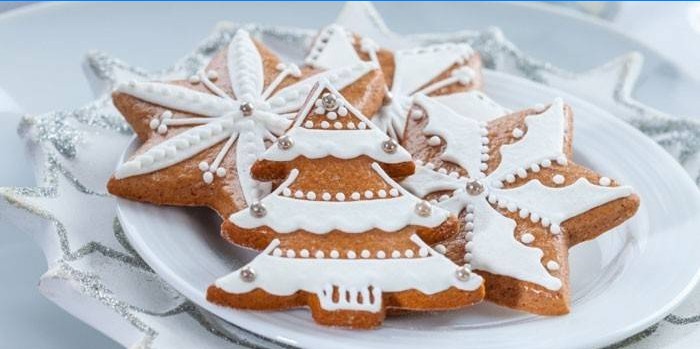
673,29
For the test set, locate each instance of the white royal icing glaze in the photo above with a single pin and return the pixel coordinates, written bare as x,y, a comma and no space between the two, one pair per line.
474,105
415,69
343,144
321,217
491,243
219,117
282,276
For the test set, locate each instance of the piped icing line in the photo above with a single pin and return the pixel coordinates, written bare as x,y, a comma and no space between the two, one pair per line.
541,146
359,215
284,276
415,70
468,139
553,206
316,143
252,115
542,143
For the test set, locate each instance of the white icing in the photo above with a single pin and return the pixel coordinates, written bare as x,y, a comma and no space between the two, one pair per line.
464,135
285,276
527,238
345,144
560,204
332,48
543,141
358,216
474,105
492,245
219,116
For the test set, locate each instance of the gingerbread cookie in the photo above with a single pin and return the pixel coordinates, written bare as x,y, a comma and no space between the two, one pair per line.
522,201
201,135
434,70
343,238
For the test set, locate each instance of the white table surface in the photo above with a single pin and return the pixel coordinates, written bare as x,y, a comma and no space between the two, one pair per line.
28,320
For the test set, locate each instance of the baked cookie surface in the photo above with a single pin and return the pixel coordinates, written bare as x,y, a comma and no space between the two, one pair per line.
201,135
343,238
522,201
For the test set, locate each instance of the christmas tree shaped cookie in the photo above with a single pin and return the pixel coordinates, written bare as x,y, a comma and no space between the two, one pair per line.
201,135
339,234
450,72
522,201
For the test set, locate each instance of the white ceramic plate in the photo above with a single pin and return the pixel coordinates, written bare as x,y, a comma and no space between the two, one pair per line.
622,282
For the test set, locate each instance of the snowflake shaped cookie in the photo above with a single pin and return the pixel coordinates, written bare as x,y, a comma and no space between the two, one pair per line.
201,135
522,201
436,70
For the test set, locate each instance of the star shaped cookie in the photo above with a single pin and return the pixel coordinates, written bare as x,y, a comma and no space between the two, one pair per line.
436,70
522,201
200,136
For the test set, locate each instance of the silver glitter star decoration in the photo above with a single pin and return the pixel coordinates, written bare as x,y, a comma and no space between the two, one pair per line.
91,263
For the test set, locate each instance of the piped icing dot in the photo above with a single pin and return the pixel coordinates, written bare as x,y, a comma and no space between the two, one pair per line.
416,114
319,254
287,192
552,265
440,248
291,254
604,181
365,254
558,179
395,254
351,254
355,196
394,192
381,254
369,194
434,141
381,193
334,254
340,197
326,196
309,124
304,253
527,238
298,194
311,195
517,133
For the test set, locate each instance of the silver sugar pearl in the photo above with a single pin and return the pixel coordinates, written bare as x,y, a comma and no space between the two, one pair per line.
285,142
423,209
474,187
389,146
462,273
258,209
247,109
247,274
330,102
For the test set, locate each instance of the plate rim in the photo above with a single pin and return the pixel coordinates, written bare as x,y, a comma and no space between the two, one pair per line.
198,297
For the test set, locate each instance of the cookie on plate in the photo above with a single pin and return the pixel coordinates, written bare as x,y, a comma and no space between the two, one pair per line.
434,70
521,199
339,234
201,135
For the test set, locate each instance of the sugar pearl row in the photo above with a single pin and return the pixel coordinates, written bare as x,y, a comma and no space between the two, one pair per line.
169,148
339,196
523,212
534,167
468,233
349,254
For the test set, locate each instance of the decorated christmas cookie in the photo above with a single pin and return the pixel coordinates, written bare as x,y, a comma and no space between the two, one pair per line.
339,234
433,70
521,200
201,135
